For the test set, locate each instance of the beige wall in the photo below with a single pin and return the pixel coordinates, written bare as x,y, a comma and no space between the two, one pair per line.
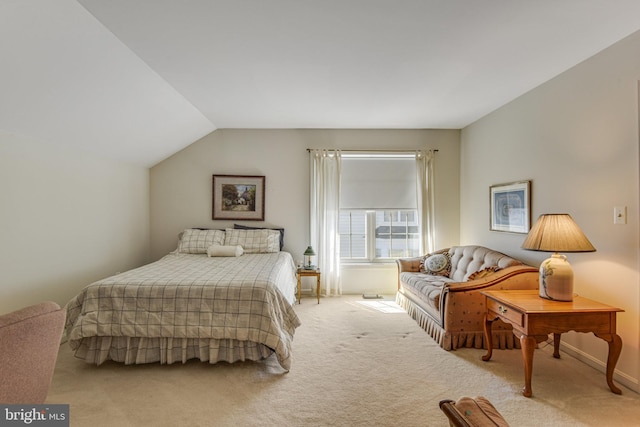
576,138
181,185
66,219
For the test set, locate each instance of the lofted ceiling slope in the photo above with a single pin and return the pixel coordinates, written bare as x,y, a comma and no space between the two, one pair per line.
138,80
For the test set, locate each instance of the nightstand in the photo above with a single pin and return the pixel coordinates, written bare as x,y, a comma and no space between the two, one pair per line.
302,273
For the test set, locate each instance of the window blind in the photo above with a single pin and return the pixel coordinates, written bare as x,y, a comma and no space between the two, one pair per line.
378,182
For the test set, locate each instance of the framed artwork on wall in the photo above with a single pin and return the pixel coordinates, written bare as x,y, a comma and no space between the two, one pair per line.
237,197
510,207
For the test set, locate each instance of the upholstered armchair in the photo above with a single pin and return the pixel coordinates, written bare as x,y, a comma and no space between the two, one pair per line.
470,412
29,344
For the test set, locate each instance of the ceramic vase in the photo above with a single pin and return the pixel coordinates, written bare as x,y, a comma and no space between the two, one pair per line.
556,278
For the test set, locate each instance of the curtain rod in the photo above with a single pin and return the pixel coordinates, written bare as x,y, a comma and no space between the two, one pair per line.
373,151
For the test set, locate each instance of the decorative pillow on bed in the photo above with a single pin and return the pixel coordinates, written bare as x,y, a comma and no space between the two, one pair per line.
218,250
194,241
436,265
247,227
253,241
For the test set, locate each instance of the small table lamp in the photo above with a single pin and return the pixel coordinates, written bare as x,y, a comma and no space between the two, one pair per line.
556,233
309,253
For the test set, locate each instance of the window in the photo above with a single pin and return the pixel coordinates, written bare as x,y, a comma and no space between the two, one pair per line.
353,234
378,214
378,235
396,234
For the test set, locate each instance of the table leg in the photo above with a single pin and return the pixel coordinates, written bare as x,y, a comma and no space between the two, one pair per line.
615,348
299,289
556,345
488,339
528,345
318,289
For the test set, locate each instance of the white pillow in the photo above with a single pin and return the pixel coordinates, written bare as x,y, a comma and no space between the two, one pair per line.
253,241
218,250
195,241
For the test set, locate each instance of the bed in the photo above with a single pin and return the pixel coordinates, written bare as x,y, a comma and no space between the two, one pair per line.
193,303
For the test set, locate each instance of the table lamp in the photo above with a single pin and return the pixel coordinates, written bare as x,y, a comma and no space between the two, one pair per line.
309,253
556,233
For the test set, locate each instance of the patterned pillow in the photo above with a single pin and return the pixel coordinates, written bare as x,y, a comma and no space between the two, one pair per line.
194,241
253,241
436,265
248,227
483,273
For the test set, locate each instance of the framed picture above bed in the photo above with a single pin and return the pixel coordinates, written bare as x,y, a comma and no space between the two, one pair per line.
510,207
238,197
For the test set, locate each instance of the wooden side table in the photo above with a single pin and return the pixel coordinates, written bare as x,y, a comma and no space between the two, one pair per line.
301,273
534,318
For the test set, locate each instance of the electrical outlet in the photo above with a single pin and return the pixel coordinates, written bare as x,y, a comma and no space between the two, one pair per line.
619,214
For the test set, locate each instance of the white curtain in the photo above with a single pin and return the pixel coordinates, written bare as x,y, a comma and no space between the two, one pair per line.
325,216
425,198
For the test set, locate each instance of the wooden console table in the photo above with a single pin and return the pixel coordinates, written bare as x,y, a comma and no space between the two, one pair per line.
534,318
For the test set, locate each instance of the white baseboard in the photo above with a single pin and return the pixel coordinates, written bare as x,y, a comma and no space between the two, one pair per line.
619,377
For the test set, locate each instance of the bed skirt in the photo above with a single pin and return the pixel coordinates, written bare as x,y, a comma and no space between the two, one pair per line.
139,350
451,340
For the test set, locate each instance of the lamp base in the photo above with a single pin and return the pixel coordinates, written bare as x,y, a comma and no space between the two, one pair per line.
310,267
556,278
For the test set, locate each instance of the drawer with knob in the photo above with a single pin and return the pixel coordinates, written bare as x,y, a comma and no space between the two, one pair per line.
506,312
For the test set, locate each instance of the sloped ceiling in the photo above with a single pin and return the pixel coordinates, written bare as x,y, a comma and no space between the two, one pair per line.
138,80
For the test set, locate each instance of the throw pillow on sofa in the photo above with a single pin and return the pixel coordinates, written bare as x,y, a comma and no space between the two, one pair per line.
436,265
483,273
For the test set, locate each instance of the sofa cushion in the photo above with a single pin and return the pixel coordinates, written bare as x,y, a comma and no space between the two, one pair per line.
436,264
426,287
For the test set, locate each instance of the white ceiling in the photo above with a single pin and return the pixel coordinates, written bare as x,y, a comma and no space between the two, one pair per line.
138,80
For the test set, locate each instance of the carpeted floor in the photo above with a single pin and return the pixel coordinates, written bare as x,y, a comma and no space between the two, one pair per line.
353,365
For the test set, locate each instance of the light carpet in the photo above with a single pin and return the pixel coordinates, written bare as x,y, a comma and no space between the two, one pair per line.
355,363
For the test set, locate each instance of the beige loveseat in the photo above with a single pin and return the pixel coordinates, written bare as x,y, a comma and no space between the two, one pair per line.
441,291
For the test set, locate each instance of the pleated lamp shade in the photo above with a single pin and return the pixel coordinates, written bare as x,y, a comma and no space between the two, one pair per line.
556,233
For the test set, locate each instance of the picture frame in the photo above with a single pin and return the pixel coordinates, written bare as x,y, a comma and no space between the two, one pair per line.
238,197
510,207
